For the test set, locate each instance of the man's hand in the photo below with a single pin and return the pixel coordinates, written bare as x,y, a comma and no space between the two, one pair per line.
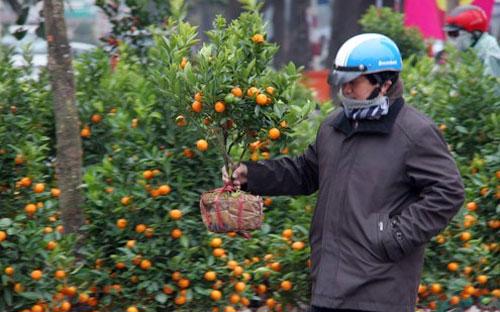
239,176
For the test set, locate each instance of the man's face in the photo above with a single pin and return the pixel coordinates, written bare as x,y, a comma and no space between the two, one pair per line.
461,39
358,89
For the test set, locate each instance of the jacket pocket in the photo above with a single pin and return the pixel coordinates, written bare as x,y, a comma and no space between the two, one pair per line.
389,246
379,228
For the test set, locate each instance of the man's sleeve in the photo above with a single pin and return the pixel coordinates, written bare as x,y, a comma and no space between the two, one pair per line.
284,176
431,170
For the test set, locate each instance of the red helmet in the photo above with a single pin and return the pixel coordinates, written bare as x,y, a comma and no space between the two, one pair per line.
467,17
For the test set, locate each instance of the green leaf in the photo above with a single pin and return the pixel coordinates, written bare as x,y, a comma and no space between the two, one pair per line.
178,9
210,260
202,291
30,295
7,295
278,110
257,110
99,106
161,297
265,228
184,241
156,115
5,222
461,129
205,51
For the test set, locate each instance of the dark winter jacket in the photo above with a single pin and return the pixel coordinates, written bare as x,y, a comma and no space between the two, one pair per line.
385,188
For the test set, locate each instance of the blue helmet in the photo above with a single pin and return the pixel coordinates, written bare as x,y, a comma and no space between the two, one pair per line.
365,54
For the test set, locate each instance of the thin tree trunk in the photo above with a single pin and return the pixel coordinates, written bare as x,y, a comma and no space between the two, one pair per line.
233,10
209,10
69,149
299,50
279,31
344,24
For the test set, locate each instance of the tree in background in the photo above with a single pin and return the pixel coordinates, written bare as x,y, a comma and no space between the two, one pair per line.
344,23
299,50
279,31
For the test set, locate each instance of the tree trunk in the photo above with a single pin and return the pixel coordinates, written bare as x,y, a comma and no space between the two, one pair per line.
69,149
344,23
233,10
279,32
299,50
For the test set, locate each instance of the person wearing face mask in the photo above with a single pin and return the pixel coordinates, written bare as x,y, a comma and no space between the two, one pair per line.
386,185
466,28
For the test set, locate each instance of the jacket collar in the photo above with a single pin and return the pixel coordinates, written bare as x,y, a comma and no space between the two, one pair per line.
382,125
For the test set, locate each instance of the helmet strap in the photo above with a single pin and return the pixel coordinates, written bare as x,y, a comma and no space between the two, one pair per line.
374,93
379,79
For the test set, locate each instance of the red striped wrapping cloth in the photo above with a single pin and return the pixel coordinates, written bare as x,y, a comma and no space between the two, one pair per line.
228,209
